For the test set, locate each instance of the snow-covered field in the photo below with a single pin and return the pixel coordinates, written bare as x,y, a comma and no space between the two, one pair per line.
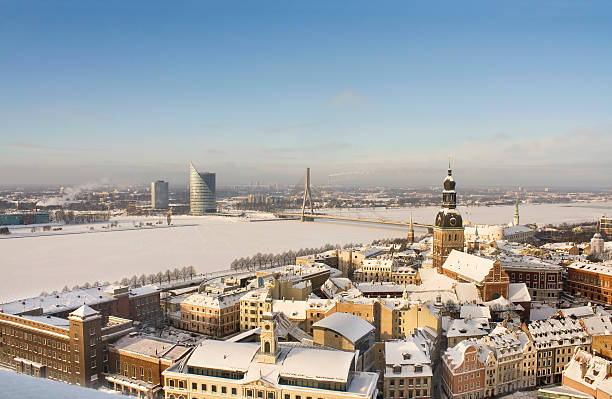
45,263
32,264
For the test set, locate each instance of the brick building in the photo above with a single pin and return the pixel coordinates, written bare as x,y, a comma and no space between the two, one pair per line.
590,281
72,350
543,279
140,304
463,370
136,363
488,275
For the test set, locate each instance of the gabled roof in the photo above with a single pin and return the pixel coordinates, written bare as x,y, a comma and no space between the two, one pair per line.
350,326
468,266
518,292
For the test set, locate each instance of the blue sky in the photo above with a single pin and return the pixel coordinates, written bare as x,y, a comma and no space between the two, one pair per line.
519,92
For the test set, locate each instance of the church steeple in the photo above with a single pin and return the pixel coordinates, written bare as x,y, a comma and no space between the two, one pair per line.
449,195
410,238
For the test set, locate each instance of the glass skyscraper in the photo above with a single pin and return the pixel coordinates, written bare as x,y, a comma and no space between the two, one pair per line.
202,187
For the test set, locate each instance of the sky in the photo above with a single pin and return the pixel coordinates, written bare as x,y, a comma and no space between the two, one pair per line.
519,93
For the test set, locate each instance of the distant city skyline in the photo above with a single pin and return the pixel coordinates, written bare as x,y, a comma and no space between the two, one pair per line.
371,93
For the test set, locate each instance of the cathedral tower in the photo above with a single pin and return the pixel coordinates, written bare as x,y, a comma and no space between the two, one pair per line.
448,227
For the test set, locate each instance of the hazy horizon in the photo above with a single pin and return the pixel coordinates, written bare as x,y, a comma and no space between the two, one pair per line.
371,93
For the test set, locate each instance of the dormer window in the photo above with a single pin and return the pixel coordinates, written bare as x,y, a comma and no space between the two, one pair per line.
397,369
418,369
406,356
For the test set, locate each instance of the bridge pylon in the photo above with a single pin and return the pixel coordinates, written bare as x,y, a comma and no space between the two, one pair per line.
307,194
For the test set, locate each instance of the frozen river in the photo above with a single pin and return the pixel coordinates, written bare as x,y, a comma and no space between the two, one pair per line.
30,265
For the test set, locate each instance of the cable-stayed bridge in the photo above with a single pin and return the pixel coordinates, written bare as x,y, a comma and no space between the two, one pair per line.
308,214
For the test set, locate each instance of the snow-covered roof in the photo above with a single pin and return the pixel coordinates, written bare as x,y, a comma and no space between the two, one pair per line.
591,267
467,293
587,369
350,326
54,321
84,312
552,333
598,325
318,364
151,346
468,266
295,310
541,312
579,311
223,355
518,292
294,361
454,356
214,300
475,311
467,328
500,304
404,358
70,300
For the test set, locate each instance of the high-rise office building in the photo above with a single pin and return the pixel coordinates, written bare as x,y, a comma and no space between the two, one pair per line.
202,188
159,194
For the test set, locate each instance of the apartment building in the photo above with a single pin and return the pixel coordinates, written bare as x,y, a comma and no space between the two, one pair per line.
463,370
386,269
216,315
252,307
499,363
408,368
555,340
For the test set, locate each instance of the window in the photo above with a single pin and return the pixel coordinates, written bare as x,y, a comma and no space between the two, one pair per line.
223,390
194,386
213,388
204,388
270,395
150,376
260,394
233,391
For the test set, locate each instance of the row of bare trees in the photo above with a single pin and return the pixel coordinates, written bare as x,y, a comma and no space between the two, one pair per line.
176,274
260,260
